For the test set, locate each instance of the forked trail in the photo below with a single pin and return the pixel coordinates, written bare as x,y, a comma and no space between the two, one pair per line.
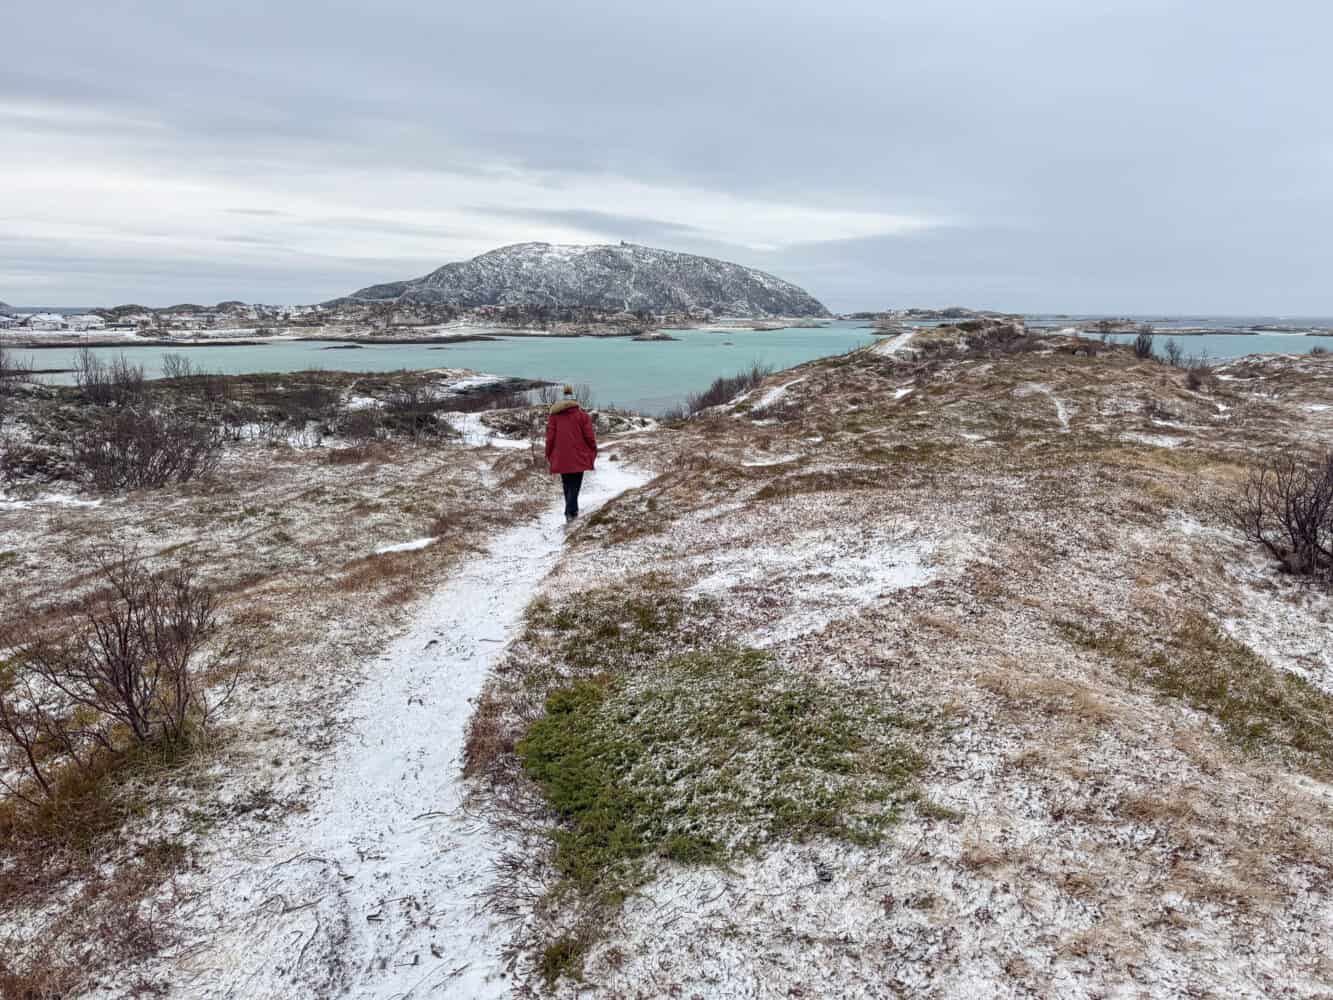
372,892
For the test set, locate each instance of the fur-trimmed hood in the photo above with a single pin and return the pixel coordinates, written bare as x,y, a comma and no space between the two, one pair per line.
563,405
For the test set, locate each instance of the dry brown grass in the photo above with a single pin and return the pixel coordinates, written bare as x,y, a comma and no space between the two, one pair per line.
978,854
1046,695
368,453
489,736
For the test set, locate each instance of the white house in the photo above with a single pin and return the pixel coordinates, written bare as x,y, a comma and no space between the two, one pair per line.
47,321
86,322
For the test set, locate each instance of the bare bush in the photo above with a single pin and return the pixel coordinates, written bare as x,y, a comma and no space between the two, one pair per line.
490,399
177,366
108,383
1319,350
217,388
140,448
1143,344
125,673
1174,353
307,402
12,372
990,339
1286,505
1200,371
362,424
727,388
414,411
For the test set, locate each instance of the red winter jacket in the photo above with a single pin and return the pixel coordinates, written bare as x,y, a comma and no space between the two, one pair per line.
571,444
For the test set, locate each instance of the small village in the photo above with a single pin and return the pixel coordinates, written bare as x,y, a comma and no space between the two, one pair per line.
224,319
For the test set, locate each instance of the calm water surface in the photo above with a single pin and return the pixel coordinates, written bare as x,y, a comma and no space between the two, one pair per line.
645,376
648,376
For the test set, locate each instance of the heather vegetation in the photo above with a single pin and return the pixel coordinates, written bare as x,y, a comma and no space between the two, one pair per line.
655,744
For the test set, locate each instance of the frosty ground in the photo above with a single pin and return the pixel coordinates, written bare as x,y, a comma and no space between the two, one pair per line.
935,598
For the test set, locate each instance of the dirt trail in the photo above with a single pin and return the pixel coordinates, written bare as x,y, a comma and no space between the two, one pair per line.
372,891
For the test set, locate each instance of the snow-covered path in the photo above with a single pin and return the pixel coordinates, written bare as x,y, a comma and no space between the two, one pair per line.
895,345
372,891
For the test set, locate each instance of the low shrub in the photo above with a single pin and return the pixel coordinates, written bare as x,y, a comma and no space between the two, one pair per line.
1143,345
1286,506
177,366
124,673
495,399
707,755
108,383
362,424
1200,377
12,373
309,401
649,740
727,388
142,448
414,412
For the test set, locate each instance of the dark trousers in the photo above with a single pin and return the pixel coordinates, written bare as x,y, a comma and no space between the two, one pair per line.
572,482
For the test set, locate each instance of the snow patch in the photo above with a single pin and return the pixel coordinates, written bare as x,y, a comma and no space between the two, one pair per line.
758,463
773,395
412,546
1155,440
47,499
820,577
477,435
895,345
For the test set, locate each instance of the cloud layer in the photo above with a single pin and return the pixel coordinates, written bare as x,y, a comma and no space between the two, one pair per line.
1039,155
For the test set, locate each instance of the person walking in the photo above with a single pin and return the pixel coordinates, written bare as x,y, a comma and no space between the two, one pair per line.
571,447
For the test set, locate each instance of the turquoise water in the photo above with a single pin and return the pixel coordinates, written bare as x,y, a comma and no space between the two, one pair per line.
1222,347
648,376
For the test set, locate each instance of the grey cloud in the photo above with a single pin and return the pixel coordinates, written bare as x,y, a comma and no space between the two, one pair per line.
53,272
636,229
367,224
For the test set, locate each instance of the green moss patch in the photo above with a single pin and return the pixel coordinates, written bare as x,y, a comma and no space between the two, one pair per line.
617,630
709,755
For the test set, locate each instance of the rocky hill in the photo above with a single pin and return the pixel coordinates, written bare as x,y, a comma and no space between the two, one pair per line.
624,277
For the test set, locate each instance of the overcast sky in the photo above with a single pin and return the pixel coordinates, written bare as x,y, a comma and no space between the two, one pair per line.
1047,155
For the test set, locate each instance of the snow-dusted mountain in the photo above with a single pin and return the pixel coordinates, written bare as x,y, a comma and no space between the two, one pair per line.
612,277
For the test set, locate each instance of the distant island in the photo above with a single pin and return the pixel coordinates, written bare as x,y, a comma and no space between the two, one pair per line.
625,276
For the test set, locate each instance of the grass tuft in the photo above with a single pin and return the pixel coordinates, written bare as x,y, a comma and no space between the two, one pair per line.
1259,708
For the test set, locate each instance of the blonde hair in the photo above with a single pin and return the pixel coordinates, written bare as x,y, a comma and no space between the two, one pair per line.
569,390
